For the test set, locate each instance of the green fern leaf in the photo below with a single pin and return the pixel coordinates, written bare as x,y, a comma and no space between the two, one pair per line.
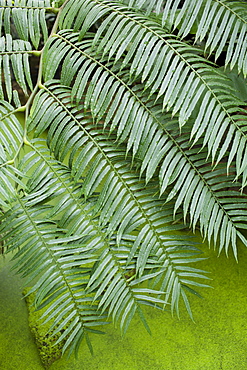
128,112
144,139
218,106
28,18
123,205
14,56
222,24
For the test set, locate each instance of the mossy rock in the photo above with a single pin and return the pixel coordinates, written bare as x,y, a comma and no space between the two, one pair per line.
49,351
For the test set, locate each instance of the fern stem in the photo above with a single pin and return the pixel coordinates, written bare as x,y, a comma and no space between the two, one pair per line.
12,161
40,71
237,15
48,9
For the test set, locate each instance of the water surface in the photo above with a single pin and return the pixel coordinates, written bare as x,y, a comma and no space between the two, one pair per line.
217,341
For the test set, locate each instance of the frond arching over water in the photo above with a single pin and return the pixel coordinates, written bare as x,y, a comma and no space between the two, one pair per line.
145,137
124,206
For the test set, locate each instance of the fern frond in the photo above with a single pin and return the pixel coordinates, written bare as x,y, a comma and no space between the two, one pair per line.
204,192
11,139
28,17
211,197
14,56
222,24
46,255
115,293
190,172
145,137
193,85
11,133
56,261
123,206
147,6
144,130
75,217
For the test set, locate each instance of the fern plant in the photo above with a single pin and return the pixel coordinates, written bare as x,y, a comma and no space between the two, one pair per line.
134,132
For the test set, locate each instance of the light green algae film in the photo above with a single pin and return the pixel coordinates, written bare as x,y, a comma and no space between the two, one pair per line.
216,341
17,348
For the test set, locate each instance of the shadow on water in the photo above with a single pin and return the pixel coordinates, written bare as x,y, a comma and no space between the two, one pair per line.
217,341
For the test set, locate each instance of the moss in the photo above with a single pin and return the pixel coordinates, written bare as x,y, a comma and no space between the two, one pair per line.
49,351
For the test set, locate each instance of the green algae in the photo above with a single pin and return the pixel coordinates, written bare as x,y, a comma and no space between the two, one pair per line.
216,341
17,347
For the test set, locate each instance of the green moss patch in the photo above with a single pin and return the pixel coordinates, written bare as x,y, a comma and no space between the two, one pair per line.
49,351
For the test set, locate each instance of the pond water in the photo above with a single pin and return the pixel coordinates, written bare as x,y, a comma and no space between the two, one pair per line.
17,348
217,340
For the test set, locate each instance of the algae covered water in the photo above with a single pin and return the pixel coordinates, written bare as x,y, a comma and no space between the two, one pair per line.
17,348
216,341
